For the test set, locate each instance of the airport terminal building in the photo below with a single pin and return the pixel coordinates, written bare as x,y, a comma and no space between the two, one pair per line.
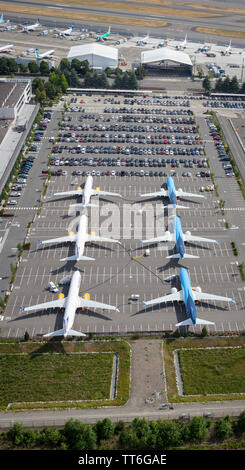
98,56
167,62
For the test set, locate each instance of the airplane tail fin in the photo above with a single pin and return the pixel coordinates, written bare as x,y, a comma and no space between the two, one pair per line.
75,258
109,29
177,255
72,26
199,321
64,333
36,52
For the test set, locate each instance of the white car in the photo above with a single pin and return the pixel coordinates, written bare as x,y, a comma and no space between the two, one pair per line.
12,203
15,194
52,287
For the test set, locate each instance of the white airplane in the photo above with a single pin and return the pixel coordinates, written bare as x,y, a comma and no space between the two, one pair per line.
1,19
228,50
189,295
179,238
172,194
80,238
143,41
45,55
183,44
70,303
7,48
31,27
86,193
67,32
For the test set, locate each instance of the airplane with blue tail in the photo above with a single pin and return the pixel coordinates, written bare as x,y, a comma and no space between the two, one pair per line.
179,238
190,296
104,36
172,194
45,55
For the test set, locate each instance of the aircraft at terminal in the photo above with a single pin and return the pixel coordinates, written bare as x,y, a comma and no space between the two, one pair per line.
66,32
45,55
31,27
7,48
189,295
70,303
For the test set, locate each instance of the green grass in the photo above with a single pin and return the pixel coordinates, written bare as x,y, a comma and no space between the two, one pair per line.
224,363
213,371
58,374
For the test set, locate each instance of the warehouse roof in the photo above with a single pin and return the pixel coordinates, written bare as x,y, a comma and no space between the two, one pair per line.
163,54
93,48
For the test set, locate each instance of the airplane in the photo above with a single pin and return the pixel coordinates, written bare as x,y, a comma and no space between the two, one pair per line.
31,27
228,50
80,238
143,41
67,32
1,19
183,44
70,303
189,295
172,194
45,55
179,238
86,193
7,48
104,36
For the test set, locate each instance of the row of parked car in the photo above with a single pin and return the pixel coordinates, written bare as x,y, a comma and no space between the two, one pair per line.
223,156
143,162
224,104
127,138
166,112
158,102
132,150
133,128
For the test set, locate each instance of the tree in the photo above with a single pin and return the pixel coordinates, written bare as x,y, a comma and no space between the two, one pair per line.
76,64
197,428
140,72
206,83
234,85
64,65
74,80
50,90
37,83
22,68
223,428
50,436
79,436
12,65
33,67
168,433
44,68
104,429
240,424
16,434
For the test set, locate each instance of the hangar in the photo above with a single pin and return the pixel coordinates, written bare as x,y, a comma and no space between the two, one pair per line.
99,56
166,61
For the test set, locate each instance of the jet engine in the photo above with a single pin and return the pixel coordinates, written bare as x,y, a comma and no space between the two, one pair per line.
173,290
180,190
61,296
78,188
188,233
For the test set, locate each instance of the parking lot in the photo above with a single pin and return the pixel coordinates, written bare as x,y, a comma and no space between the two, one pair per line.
127,130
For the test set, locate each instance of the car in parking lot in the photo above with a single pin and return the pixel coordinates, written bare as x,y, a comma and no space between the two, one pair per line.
12,202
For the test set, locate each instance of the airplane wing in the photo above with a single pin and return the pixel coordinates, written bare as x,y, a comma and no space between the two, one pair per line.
184,194
69,238
93,238
156,194
59,303
164,238
75,192
93,304
193,238
166,298
204,296
96,192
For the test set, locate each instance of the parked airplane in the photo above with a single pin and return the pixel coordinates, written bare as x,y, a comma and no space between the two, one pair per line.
80,238
104,36
6,48
143,41
45,55
228,50
86,193
31,27
70,303
189,295
179,238
183,44
1,18
172,194
67,32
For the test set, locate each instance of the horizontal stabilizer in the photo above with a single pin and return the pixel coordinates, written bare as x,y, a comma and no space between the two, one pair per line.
55,333
177,255
199,321
74,333
175,206
81,205
75,258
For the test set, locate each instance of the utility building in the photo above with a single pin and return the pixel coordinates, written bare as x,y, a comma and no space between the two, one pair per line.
98,56
165,61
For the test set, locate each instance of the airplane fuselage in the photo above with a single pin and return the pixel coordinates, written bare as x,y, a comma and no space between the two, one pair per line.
87,190
171,191
71,302
179,239
81,235
188,295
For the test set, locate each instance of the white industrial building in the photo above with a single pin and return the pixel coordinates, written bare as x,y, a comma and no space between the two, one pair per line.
98,56
167,61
